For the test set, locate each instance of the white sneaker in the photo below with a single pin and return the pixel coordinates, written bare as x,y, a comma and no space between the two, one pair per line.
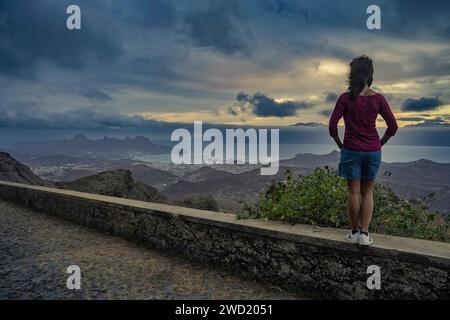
352,237
365,240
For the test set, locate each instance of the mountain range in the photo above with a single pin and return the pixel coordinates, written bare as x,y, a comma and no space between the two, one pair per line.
80,145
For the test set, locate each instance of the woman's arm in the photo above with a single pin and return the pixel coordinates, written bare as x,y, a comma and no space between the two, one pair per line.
389,118
334,120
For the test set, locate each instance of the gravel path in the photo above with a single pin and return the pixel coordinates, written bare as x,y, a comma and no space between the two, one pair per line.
36,249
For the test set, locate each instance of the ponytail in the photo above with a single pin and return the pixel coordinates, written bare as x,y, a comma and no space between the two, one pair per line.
361,73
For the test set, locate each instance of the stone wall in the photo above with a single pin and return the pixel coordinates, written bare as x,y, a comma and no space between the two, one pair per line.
314,261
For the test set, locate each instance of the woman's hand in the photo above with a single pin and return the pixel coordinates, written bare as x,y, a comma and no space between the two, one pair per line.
385,139
338,142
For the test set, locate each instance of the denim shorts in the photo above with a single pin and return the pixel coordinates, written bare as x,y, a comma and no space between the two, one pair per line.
357,165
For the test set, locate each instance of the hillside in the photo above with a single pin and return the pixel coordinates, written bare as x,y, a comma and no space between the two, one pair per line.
13,171
228,189
116,183
206,173
151,176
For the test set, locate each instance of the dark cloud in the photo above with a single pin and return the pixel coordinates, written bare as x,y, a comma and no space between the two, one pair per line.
284,8
95,95
446,32
32,116
233,111
436,122
326,113
35,31
177,50
430,64
264,106
405,19
330,96
220,27
308,124
148,14
410,119
421,104
226,26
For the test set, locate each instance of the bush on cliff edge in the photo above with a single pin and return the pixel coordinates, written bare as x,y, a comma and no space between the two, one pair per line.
321,199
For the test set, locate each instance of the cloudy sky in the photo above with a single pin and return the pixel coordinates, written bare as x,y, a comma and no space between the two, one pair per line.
252,62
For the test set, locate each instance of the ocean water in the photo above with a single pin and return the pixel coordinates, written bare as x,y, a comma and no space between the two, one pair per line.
390,153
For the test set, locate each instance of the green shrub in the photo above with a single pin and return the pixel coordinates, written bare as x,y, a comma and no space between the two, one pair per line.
321,199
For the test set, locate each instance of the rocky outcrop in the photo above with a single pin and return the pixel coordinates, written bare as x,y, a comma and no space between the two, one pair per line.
13,171
115,183
202,202
120,183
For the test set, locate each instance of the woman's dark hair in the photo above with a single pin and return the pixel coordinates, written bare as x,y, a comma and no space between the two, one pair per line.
361,73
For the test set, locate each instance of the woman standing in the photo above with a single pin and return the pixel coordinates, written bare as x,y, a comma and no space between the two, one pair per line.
361,150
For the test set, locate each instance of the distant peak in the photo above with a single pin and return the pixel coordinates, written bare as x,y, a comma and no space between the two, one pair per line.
423,161
333,153
307,124
5,155
80,136
141,138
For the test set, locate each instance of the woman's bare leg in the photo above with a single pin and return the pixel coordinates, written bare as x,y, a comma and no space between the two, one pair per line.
354,193
366,204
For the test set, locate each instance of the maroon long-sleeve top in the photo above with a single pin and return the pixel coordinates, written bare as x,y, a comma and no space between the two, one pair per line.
360,116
